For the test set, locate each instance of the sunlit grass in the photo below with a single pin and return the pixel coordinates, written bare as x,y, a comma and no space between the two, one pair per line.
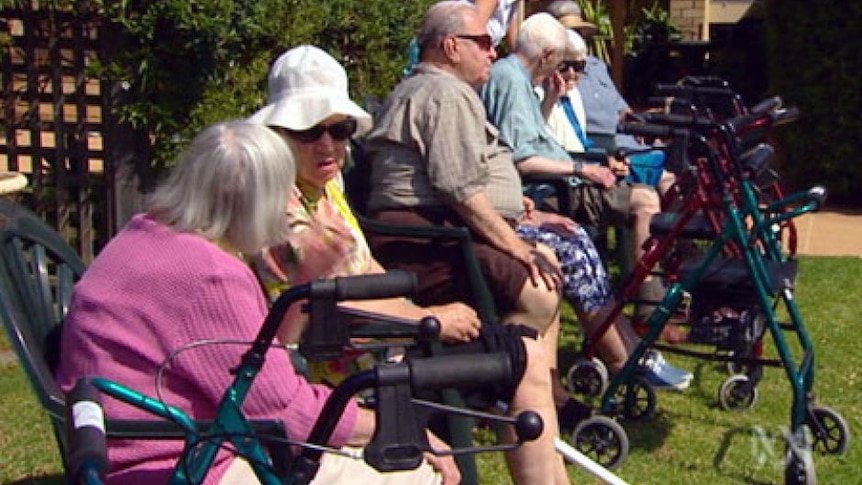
690,441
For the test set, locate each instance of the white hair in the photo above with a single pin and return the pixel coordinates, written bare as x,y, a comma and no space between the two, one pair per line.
541,32
231,186
577,47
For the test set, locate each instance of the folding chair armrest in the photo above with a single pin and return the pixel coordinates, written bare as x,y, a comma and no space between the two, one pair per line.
484,300
372,225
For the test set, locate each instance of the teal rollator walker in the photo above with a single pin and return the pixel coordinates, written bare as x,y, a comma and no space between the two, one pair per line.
744,267
399,441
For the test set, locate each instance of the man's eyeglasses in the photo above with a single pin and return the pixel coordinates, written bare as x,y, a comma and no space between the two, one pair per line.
483,41
339,131
578,66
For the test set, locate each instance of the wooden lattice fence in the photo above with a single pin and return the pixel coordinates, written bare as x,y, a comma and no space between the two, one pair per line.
56,121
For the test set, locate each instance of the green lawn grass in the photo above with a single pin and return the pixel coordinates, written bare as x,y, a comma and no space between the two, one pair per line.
690,441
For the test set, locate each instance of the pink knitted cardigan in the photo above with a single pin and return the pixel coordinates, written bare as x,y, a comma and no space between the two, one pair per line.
151,291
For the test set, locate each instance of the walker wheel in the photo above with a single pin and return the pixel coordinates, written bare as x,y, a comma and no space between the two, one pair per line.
734,367
588,377
603,440
830,430
639,399
799,468
737,394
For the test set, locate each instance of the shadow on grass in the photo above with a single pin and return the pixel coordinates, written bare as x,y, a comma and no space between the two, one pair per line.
41,480
723,463
649,435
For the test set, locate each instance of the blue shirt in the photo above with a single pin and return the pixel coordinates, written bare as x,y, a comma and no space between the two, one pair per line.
603,103
514,108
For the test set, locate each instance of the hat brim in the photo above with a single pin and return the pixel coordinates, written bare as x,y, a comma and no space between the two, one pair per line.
575,22
301,112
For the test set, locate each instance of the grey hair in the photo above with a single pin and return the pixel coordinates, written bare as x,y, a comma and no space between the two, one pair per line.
540,32
442,19
232,186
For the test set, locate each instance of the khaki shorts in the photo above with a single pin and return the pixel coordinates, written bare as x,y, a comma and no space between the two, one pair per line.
596,206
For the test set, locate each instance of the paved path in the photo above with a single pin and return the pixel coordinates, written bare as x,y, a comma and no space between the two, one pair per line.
830,233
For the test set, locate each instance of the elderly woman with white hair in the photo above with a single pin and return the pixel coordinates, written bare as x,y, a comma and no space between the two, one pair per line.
174,277
547,54
566,117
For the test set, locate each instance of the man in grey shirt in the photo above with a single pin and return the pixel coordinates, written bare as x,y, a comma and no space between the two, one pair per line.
435,161
435,158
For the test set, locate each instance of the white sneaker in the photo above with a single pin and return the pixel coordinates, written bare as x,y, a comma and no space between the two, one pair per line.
662,375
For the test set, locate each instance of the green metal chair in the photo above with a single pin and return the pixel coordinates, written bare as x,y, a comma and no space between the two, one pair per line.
38,270
357,187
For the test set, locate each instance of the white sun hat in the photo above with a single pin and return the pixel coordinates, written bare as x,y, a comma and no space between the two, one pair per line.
306,86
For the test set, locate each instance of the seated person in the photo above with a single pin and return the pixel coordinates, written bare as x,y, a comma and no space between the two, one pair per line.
310,107
436,162
501,18
428,157
175,276
602,106
514,109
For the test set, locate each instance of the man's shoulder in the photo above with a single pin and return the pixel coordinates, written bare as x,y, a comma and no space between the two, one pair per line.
434,84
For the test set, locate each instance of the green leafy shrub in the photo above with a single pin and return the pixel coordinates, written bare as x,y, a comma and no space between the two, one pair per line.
181,65
814,64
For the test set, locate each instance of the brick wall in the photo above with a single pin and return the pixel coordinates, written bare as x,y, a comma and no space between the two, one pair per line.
689,17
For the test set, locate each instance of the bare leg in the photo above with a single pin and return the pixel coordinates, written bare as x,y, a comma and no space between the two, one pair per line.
612,345
536,462
644,204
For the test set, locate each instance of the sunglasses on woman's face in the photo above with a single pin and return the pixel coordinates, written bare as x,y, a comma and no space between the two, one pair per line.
578,66
339,131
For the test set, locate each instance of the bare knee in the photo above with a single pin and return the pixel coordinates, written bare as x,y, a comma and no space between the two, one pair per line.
537,307
536,372
645,200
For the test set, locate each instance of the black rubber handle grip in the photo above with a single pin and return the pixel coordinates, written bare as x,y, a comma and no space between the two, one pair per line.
741,122
367,287
460,371
688,90
767,105
787,115
86,428
652,130
776,117
817,195
678,120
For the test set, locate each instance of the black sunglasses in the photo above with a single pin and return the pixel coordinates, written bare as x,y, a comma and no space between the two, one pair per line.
578,66
339,131
483,41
